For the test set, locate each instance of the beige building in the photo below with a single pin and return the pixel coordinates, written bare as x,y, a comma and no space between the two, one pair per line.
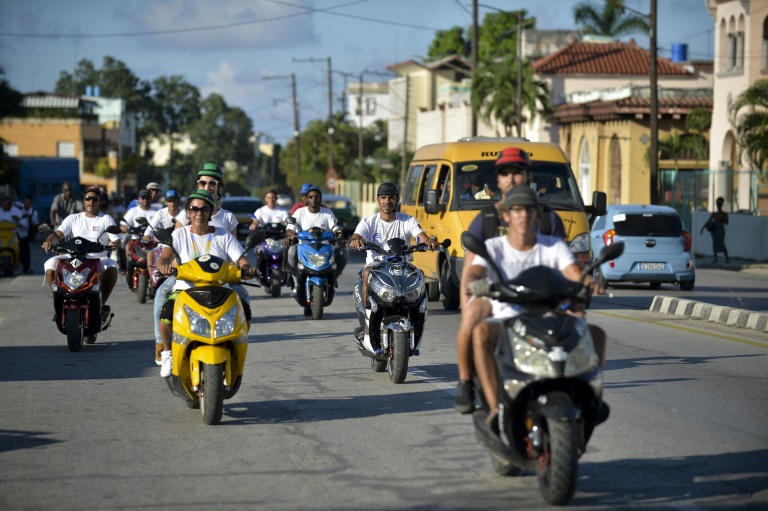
741,50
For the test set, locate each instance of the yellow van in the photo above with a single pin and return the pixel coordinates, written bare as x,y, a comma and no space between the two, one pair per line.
447,184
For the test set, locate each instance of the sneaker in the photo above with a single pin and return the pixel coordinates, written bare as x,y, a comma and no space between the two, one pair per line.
464,402
106,310
603,412
166,369
158,351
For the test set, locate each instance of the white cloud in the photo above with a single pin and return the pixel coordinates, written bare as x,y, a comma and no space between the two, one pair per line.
208,25
237,87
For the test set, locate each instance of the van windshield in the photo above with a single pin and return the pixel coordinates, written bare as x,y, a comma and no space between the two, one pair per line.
475,182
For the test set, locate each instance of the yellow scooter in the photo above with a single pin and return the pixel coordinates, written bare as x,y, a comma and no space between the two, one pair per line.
210,334
9,248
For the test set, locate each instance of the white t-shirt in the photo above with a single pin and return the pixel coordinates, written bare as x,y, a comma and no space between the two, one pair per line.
162,220
79,225
222,218
548,251
129,220
305,220
220,243
7,216
265,215
375,230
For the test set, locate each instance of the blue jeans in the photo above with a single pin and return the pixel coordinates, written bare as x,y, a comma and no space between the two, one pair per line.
165,289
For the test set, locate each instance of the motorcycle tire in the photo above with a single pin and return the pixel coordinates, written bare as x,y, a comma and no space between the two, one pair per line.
400,350
451,301
317,302
433,291
378,366
212,393
141,288
558,476
75,330
275,283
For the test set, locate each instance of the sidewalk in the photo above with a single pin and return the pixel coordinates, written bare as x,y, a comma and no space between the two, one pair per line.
726,315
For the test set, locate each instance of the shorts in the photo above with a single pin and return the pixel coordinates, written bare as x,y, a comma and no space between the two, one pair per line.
105,263
166,312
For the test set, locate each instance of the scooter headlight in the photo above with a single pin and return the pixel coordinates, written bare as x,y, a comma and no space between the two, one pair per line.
318,259
414,291
384,292
273,245
532,360
198,323
582,358
225,325
75,279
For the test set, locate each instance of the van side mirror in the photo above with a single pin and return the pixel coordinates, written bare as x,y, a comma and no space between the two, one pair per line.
599,204
430,203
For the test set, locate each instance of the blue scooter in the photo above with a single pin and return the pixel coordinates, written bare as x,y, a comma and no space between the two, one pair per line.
316,271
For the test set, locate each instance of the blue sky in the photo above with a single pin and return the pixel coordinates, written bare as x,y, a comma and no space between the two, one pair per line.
228,46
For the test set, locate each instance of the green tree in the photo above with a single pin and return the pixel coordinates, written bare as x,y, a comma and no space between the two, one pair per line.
752,125
10,98
612,20
449,42
114,79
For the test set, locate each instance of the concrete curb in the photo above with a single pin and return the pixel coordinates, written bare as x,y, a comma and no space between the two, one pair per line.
726,315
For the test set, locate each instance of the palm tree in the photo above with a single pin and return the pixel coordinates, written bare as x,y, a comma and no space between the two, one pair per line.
494,93
612,20
752,125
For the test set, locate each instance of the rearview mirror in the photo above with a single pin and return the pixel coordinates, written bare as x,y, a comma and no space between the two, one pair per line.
254,239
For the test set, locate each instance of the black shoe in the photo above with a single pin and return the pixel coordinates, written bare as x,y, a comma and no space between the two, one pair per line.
106,310
464,402
603,412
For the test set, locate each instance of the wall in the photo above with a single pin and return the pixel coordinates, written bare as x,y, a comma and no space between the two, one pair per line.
746,237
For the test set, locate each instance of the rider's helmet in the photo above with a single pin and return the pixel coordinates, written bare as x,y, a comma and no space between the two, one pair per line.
96,190
514,159
172,195
388,189
214,171
203,195
313,188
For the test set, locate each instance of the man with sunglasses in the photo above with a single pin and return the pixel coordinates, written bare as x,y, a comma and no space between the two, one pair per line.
88,224
513,170
192,241
211,179
129,221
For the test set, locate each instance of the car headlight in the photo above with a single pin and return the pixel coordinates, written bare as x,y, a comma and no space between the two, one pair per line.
273,245
225,325
582,358
198,323
75,279
318,259
532,360
580,243
384,292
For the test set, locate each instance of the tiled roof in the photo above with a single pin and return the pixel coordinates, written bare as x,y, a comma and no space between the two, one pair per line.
614,58
627,107
47,100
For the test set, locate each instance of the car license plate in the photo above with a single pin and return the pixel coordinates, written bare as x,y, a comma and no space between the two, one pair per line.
651,266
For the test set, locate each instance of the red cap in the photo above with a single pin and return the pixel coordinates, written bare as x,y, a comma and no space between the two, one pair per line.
514,157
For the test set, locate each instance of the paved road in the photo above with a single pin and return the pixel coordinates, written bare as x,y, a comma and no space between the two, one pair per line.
314,428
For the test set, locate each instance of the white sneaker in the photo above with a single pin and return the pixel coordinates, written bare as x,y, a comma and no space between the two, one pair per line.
166,369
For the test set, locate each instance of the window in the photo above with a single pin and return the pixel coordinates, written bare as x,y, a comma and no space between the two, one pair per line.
646,224
584,184
443,186
11,149
65,149
412,184
428,180
370,106
765,43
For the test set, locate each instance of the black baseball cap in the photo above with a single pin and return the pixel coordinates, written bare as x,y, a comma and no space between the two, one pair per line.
387,189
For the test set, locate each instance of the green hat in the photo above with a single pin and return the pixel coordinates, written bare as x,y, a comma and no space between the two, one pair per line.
211,169
203,195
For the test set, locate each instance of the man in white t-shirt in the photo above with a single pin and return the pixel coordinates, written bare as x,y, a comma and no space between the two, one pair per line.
269,213
519,250
192,241
91,225
144,210
314,215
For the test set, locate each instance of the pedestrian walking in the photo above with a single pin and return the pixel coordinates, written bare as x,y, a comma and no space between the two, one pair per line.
26,232
64,204
716,227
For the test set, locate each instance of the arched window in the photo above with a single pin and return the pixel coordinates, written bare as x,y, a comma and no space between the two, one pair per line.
731,43
615,190
584,184
723,50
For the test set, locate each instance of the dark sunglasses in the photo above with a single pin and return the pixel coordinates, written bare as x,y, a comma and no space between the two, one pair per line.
204,209
203,182
91,198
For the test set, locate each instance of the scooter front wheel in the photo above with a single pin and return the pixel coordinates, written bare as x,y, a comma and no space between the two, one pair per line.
275,283
75,330
398,361
212,392
141,288
558,467
318,300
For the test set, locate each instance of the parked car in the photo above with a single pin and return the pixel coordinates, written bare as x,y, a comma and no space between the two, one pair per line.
284,201
242,207
657,246
345,211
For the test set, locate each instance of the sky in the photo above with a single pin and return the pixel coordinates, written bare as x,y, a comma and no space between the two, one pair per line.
229,46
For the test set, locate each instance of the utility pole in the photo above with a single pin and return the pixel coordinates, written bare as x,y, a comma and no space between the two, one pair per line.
360,150
296,129
404,159
475,29
519,53
344,92
654,111
330,105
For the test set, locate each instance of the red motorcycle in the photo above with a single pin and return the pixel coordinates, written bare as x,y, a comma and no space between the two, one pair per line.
137,271
77,308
